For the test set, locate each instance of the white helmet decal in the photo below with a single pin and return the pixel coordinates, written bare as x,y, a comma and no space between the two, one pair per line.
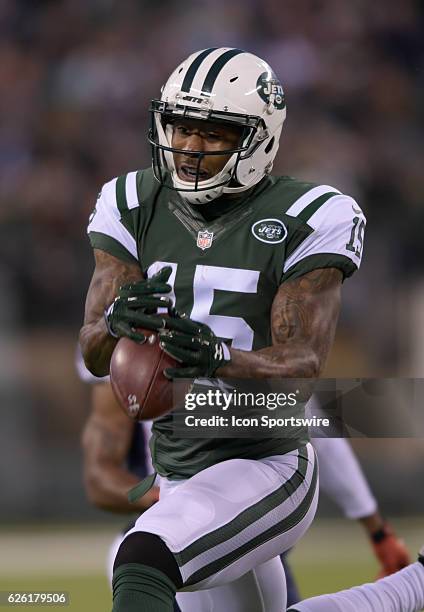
227,86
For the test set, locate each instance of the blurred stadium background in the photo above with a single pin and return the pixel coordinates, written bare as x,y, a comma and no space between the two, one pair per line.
76,78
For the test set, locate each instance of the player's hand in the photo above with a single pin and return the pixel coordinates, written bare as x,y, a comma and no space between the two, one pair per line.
194,345
136,304
148,499
390,551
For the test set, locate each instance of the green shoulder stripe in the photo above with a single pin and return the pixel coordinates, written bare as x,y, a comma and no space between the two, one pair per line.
126,191
111,246
312,208
121,194
128,199
300,222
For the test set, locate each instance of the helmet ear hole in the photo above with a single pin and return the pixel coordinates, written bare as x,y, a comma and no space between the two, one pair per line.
269,145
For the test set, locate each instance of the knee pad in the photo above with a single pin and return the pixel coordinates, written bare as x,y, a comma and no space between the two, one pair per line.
148,549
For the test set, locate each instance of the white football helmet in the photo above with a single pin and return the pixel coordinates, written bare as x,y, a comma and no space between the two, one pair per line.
231,87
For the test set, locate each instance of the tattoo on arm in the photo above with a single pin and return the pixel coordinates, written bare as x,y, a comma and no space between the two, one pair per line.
298,305
305,313
96,344
109,275
303,322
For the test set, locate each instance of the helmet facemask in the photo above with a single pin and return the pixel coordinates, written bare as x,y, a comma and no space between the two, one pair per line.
200,191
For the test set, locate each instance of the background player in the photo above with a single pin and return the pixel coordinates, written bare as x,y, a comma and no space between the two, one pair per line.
116,453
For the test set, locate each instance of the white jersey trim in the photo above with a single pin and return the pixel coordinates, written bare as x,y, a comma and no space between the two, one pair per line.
309,197
332,224
131,190
107,218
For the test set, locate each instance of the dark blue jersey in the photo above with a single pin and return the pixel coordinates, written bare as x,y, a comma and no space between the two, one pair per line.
137,460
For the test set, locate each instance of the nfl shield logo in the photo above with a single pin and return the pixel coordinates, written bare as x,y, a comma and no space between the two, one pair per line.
204,240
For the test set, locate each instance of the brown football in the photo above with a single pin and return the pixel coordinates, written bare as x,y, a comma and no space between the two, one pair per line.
136,374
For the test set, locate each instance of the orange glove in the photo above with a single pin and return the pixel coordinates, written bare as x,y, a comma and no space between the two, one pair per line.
389,550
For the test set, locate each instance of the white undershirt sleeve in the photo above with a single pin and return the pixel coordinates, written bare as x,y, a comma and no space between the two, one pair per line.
342,479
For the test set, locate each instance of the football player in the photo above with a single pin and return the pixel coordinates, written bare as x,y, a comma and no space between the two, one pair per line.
116,456
256,263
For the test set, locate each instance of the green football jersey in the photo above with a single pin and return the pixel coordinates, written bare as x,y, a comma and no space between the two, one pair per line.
226,272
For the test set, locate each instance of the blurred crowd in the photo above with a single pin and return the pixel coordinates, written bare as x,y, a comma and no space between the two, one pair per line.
76,78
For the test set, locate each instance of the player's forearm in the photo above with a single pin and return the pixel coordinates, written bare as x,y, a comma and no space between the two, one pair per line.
96,343
97,347
303,323
290,361
108,490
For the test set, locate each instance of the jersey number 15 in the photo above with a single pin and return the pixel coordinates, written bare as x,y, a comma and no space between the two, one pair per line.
206,280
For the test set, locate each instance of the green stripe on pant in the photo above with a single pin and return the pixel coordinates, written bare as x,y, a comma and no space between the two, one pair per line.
279,528
248,516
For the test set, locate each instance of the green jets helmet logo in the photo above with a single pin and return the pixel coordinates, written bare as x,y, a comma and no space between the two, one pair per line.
268,85
271,231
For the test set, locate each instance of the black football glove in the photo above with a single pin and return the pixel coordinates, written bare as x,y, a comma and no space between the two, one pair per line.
135,306
194,345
